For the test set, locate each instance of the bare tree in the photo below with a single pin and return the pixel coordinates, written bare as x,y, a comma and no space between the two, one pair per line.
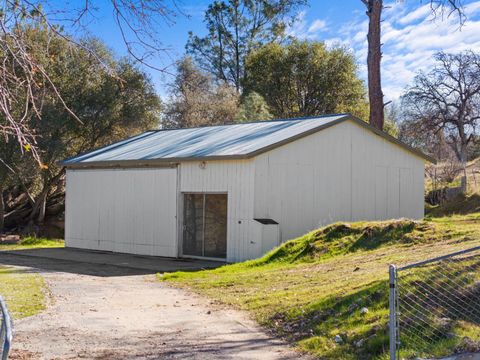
447,100
440,8
23,78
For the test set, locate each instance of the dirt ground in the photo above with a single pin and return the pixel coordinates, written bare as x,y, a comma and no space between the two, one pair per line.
105,312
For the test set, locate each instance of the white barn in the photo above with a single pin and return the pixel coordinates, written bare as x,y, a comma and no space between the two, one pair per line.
233,192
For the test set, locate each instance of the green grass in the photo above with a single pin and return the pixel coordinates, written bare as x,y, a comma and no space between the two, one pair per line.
33,243
312,288
24,292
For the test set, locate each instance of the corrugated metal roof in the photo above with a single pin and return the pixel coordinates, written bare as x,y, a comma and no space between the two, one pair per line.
212,142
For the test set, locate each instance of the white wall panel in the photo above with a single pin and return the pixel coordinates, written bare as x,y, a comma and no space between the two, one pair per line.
393,194
343,173
381,192
235,178
124,210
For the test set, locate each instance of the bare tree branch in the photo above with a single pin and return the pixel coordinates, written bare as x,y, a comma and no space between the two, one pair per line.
23,78
447,100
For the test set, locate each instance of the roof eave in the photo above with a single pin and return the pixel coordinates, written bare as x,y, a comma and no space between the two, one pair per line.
166,162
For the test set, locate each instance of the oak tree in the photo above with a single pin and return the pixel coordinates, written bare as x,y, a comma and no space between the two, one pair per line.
108,108
305,78
446,100
253,107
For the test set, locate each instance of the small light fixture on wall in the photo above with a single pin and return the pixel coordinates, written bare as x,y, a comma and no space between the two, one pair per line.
202,165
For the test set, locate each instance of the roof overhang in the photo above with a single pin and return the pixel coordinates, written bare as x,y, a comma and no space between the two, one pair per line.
122,164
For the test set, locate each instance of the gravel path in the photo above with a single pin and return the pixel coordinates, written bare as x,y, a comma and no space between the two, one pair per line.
133,316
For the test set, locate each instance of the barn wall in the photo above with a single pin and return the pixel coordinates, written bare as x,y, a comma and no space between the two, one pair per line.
130,210
235,178
343,173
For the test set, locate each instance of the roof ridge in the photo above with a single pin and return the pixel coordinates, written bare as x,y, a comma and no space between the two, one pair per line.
257,122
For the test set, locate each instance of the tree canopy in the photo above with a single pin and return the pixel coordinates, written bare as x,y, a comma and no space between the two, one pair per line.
196,100
253,107
305,78
234,28
107,109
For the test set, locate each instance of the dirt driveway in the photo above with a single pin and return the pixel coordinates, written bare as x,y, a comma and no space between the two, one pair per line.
101,311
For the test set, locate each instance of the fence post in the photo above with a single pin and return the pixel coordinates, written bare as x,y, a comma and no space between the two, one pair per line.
393,312
5,330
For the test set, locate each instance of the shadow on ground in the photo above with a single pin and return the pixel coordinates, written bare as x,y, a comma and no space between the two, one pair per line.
171,345
97,263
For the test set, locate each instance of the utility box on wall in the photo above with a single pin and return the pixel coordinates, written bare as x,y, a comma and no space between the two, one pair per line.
270,234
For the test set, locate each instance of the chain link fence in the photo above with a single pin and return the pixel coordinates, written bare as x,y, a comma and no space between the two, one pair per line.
435,308
5,330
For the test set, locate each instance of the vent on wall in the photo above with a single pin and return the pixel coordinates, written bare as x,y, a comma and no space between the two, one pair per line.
266,221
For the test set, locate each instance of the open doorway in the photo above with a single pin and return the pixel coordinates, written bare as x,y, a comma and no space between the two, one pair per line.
205,225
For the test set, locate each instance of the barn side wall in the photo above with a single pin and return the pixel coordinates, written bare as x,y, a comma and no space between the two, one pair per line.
237,179
343,173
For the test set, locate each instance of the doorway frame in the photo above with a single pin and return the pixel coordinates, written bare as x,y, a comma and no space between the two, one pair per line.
181,225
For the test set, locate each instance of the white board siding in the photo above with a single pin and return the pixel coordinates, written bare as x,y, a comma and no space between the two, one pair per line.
130,210
343,173
236,178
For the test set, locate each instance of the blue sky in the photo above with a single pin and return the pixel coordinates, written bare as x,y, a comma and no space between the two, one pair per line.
410,35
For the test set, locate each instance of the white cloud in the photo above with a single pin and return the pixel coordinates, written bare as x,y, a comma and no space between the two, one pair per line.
317,25
334,42
472,9
410,39
419,14
302,29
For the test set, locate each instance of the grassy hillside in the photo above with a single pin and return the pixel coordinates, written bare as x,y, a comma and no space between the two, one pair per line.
312,288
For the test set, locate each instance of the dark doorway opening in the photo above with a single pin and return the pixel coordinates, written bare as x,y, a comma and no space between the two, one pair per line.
205,225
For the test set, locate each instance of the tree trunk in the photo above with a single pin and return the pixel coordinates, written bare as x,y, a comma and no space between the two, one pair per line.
39,201
42,208
375,94
463,161
2,209
237,53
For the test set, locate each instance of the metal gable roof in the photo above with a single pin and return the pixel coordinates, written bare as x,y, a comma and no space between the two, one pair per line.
233,141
